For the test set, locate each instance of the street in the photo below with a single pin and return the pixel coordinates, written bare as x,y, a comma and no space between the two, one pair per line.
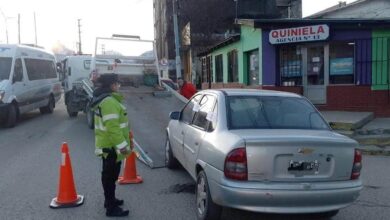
29,170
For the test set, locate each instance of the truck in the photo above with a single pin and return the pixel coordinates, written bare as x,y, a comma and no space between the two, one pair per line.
80,72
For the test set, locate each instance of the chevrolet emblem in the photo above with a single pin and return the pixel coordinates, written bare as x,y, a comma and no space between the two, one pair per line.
305,151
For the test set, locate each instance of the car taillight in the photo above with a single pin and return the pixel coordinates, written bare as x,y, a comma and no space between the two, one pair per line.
357,165
236,165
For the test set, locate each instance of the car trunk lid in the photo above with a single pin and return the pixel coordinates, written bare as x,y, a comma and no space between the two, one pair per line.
297,155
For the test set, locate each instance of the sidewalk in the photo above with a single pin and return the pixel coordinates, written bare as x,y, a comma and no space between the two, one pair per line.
372,134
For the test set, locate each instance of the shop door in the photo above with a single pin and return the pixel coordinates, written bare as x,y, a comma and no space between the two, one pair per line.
253,68
314,73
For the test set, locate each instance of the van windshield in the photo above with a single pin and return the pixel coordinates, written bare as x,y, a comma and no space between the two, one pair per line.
5,67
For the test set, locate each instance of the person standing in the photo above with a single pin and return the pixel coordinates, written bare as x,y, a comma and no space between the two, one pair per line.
186,89
112,142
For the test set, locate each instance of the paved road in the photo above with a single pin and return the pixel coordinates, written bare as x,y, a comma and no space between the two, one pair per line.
30,159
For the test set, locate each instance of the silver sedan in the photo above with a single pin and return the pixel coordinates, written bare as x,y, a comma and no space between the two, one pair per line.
262,151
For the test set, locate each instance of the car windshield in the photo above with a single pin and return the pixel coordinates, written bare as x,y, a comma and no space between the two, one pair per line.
270,112
5,67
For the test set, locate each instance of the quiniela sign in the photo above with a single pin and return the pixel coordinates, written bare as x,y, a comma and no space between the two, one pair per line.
299,34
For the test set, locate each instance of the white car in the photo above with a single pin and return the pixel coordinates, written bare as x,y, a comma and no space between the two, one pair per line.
262,151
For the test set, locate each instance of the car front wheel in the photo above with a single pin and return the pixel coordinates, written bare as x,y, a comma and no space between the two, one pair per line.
170,160
206,209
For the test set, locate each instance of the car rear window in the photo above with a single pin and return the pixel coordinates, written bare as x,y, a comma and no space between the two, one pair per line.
5,67
270,112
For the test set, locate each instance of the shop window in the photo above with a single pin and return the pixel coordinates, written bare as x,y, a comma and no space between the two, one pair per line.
232,66
204,69
253,67
219,68
341,63
207,66
210,68
290,66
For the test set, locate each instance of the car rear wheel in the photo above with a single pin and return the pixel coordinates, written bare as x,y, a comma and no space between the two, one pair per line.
170,160
206,209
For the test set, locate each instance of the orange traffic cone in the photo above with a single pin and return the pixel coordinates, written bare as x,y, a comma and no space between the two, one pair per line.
130,171
67,196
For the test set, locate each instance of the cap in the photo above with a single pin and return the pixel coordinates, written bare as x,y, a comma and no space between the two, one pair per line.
107,80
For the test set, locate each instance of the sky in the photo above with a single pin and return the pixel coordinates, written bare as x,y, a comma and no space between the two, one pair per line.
57,20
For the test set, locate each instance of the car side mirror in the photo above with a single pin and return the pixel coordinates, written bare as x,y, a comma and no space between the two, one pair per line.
174,115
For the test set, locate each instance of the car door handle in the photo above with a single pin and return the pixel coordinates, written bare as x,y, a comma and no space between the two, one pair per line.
196,143
182,133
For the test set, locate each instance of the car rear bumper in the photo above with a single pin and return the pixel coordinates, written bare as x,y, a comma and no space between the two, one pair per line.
284,197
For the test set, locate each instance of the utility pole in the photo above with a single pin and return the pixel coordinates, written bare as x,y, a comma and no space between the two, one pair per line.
5,23
79,25
18,28
177,44
35,28
236,10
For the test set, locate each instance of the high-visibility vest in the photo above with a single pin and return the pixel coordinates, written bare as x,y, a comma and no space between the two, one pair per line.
111,125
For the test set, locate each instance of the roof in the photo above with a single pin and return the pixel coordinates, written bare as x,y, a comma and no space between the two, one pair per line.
257,92
11,49
340,6
221,44
336,23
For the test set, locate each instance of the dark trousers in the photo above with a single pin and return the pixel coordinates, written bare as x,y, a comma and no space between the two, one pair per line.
110,173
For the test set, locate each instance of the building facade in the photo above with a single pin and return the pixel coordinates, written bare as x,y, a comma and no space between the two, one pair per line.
202,25
337,64
338,58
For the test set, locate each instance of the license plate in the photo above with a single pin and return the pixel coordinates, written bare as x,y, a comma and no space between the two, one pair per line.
303,165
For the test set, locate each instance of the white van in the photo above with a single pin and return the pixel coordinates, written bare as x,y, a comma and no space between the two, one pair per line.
28,81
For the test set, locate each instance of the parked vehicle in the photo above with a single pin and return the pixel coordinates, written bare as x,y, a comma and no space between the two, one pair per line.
75,77
28,81
262,151
80,72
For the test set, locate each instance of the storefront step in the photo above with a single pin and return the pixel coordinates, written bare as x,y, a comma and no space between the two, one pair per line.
348,121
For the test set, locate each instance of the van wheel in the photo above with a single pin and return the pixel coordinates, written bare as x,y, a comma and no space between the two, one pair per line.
10,121
206,209
49,108
90,116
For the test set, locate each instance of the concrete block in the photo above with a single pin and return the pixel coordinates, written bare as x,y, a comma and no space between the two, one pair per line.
340,120
162,94
371,149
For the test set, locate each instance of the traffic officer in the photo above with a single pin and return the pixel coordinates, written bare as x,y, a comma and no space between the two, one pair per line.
111,138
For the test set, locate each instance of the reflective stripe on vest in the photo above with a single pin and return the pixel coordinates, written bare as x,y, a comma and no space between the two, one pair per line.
121,145
110,117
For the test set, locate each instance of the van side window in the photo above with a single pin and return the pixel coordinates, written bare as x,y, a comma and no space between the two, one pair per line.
40,69
18,71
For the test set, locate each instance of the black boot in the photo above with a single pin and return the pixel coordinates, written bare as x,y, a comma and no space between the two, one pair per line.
116,212
118,202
